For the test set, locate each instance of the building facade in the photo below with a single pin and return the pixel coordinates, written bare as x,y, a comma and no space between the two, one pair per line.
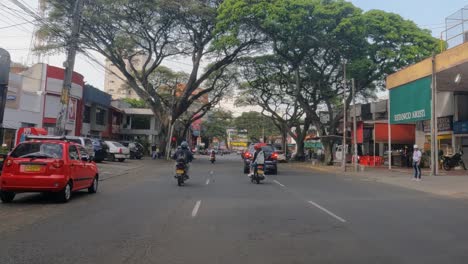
114,80
96,109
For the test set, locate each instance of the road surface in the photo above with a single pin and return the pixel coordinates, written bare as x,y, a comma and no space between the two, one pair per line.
140,215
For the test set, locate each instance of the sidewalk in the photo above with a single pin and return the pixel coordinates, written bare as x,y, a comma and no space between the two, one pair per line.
453,185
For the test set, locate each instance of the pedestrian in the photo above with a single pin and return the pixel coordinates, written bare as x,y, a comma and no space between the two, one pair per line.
417,163
310,154
153,151
158,153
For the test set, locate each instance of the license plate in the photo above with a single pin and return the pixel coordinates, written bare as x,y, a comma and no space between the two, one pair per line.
32,168
260,171
180,171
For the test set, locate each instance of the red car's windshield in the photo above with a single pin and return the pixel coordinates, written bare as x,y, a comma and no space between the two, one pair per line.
38,150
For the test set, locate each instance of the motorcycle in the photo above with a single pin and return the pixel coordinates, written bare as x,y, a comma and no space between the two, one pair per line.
450,162
259,174
181,173
212,159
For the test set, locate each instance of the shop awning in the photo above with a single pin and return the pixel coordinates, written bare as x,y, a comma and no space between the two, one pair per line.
401,134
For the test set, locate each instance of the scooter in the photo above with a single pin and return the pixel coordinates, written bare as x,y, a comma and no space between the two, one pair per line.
181,173
450,162
259,174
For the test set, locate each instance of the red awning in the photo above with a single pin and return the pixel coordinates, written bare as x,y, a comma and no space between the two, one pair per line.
360,133
401,134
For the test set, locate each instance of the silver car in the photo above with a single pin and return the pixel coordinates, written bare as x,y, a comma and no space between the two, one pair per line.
87,143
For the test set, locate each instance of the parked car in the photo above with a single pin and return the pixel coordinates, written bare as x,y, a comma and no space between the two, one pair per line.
281,157
48,164
87,143
271,158
136,149
101,150
117,151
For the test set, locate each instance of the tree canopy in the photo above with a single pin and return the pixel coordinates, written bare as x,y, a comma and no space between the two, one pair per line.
138,36
308,42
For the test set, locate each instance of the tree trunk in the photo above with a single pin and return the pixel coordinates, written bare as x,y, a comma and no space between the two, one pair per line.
328,149
300,154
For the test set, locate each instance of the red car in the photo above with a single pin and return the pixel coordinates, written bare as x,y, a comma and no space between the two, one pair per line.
48,164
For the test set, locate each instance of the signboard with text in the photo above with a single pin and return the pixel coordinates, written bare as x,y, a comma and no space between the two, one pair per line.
411,102
443,124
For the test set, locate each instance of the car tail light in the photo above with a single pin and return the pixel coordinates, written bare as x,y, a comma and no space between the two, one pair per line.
247,155
274,156
9,162
120,150
58,164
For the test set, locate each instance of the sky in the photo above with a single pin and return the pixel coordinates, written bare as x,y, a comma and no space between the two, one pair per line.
16,30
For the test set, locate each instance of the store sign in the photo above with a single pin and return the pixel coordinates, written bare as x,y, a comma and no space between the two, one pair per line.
443,124
411,102
460,127
72,109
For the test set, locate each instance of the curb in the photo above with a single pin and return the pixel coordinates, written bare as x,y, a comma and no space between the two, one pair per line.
120,174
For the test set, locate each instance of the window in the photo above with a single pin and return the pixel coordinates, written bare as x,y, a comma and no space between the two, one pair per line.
87,114
27,124
44,150
141,122
101,117
73,153
117,144
83,152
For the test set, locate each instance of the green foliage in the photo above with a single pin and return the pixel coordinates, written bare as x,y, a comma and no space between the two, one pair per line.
257,125
135,103
305,45
216,124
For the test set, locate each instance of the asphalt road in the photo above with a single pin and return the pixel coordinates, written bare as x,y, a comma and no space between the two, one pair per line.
140,215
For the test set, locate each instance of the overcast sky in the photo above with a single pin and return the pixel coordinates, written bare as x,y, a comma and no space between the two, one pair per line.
16,30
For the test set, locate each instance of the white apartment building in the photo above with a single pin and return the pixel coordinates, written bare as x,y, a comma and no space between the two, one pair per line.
114,83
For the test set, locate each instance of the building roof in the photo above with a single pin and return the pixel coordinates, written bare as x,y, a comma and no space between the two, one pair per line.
138,111
454,59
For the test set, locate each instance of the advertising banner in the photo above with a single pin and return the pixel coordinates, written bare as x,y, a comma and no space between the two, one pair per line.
411,102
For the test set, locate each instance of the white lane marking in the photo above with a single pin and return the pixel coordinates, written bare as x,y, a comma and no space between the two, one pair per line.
279,183
211,172
195,209
328,212
207,181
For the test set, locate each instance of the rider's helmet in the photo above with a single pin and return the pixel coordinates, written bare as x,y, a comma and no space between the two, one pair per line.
184,145
257,146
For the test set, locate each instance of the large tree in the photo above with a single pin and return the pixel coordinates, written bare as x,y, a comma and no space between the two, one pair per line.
258,126
216,124
267,84
316,38
137,36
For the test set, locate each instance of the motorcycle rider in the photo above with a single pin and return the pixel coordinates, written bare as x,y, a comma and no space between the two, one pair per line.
183,154
258,159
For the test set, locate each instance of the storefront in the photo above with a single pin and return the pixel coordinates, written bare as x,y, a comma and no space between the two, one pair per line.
445,139
460,132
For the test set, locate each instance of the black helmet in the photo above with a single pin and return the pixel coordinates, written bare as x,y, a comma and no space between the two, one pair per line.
184,145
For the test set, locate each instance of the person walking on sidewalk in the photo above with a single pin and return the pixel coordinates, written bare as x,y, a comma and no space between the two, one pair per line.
153,151
417,155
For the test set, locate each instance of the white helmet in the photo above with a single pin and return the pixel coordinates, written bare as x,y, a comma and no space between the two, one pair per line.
415,146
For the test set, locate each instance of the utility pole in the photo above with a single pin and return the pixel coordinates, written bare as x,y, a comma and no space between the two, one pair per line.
171,126
355,159
434,128
69,65
4,77
344,148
